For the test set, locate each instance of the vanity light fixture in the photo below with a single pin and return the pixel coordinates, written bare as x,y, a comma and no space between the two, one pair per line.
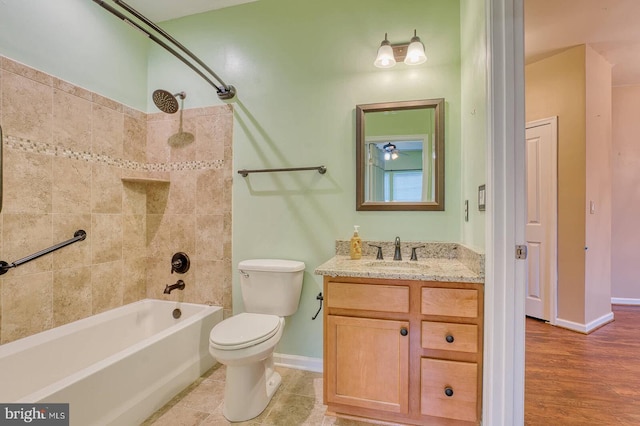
411,53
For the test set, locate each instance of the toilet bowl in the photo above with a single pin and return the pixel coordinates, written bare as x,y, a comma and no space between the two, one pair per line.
245,342
245,338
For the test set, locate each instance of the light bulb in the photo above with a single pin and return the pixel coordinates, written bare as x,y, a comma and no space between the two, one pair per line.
415,52
385,57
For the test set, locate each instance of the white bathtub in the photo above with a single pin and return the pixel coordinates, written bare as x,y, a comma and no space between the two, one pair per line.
114,368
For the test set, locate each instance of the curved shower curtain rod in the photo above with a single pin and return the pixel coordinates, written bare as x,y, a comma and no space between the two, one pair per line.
225,91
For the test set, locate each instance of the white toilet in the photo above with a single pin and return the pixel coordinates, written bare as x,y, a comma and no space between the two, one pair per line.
245,342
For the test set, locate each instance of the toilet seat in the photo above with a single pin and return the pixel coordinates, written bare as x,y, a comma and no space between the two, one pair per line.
243,330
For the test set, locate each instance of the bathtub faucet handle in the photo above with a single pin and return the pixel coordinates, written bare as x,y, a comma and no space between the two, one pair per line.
179,285
175,265
180,263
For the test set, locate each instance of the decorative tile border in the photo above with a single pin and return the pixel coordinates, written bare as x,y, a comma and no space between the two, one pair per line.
27,145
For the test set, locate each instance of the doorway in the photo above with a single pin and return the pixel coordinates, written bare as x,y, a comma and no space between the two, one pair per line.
541,229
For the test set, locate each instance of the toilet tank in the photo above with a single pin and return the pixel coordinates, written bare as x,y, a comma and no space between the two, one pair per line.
271,286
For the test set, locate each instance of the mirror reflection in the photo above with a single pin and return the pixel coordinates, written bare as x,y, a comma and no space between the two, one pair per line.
400,155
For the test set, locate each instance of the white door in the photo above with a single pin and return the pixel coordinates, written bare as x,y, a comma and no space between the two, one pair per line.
541,218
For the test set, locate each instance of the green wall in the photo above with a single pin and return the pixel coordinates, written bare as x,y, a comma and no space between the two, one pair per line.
407,122
473,117
300,67
79,42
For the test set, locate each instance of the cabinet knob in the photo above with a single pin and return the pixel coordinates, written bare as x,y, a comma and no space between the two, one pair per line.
449,338
403,331
448,391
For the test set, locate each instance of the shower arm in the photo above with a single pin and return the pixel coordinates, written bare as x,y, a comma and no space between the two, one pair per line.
79,235
224,91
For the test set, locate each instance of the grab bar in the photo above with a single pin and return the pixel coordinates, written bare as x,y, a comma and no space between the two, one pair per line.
79,235
321,169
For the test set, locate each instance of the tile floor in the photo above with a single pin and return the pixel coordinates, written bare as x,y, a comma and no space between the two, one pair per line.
297,402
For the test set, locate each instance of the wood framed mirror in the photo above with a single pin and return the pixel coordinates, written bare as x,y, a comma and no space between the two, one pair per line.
400,155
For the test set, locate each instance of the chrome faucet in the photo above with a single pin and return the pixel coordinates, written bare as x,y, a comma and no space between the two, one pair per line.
179,285
397,255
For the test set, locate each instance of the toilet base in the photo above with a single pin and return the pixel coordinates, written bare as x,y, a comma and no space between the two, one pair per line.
248,389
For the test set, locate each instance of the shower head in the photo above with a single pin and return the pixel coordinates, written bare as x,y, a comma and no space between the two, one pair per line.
166,102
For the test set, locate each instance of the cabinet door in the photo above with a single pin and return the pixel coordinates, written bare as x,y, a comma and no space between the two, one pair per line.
368,363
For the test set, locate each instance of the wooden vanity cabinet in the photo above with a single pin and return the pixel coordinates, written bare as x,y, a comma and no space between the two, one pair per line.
403,351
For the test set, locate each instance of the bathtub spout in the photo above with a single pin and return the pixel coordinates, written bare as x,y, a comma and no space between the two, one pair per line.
178,285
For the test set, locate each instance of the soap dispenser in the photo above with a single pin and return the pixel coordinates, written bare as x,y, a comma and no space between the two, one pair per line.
356,245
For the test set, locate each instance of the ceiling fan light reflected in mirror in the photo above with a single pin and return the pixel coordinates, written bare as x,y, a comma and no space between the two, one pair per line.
390,151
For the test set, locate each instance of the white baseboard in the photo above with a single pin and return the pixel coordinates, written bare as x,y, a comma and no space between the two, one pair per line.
585,328
298,362
624,301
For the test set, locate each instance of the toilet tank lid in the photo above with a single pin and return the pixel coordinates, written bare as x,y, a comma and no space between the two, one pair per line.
271,265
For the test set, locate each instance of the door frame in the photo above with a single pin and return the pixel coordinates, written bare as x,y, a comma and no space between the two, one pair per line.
553,261
503,376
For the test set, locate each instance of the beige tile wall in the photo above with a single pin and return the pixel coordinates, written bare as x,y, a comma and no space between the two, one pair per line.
193,213
66,151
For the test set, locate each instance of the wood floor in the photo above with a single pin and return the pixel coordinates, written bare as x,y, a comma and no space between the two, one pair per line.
576,379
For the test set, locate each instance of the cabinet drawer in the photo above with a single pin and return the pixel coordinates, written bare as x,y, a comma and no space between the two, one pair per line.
369,297
453,302
449,389
450,337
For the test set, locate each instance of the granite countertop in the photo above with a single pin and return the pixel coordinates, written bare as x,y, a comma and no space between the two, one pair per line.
428,269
